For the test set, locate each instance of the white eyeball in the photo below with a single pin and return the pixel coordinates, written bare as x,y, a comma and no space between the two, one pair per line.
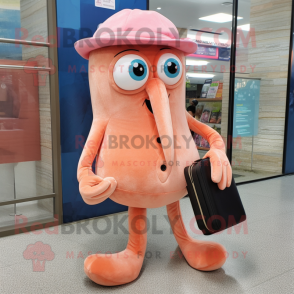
130,72
169,69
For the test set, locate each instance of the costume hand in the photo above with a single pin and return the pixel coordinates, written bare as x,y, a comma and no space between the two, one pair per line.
221,171
94,189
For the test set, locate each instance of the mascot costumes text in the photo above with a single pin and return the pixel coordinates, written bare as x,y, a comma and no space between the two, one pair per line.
137,82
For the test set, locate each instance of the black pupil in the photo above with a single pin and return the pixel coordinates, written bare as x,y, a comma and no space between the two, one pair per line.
138,69
172,67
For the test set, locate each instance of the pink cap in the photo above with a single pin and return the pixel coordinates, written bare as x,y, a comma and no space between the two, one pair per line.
135,27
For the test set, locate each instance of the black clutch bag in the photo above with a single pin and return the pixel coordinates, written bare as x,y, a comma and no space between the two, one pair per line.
215,210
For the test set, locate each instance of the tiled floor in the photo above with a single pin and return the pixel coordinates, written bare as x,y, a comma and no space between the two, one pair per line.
260,261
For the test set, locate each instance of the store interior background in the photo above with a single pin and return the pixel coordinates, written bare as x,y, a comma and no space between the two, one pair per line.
266,61
262,56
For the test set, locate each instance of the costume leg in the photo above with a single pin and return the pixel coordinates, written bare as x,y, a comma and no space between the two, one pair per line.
201,255
123,267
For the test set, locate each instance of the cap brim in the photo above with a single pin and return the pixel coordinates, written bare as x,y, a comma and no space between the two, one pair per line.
85,46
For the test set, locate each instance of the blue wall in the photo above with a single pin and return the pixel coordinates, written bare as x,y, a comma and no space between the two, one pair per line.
289,124
78,19
289,143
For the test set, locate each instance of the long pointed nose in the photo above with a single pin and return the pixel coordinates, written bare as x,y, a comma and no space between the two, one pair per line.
160,104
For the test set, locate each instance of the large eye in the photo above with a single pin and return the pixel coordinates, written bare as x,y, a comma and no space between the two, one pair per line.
130,72
169,69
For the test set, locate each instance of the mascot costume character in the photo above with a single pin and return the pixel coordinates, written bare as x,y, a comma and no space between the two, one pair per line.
137,82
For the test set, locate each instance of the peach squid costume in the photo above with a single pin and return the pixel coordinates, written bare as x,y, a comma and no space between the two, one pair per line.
141,137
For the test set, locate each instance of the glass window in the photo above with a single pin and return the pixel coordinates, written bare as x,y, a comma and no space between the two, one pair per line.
26,168
25,123
260,89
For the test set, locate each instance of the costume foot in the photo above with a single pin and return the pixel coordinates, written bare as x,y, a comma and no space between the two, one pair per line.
113,269
203,255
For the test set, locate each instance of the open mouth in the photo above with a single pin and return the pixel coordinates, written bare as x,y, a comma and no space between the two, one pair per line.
148,104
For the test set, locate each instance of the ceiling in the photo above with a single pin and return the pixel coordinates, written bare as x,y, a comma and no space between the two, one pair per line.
214,67
186,13
217,77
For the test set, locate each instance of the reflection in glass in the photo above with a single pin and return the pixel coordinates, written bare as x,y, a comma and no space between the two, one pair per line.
25,114
25,126
33,211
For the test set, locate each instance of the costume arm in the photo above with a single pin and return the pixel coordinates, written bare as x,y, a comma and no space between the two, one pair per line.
93,188
221,171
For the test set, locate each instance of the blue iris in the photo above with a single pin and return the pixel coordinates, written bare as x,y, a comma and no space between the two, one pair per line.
138,70
172,68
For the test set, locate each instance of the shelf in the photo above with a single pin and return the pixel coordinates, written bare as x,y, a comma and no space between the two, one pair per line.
203,148
209,99
213,124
